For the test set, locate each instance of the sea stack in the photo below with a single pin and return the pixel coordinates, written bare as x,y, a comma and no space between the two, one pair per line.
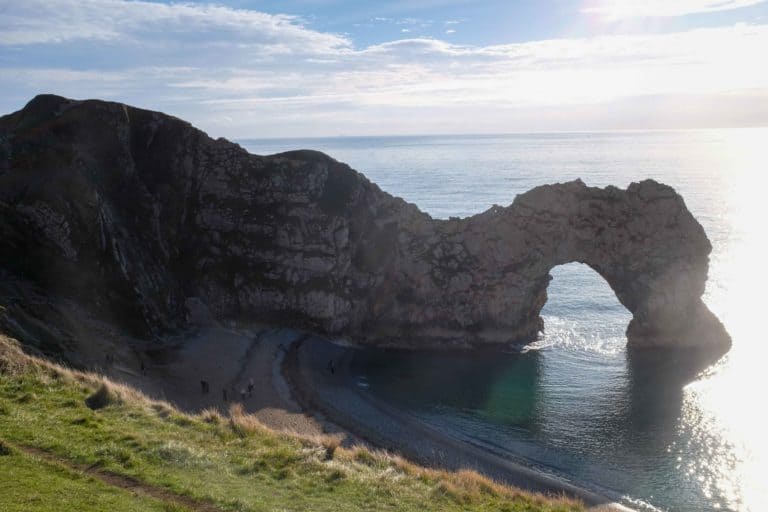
147,223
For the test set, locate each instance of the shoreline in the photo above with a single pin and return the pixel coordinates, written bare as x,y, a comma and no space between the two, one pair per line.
296,392
337,396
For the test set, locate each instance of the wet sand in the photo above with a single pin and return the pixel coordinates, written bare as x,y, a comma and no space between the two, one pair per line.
318,372
295,390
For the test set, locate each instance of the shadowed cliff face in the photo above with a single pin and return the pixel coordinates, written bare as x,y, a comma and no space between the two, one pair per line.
150,224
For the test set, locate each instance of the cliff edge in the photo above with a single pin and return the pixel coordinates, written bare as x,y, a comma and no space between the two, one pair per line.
148,224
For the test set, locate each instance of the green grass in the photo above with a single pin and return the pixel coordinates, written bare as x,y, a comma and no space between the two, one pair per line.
234,463
29,483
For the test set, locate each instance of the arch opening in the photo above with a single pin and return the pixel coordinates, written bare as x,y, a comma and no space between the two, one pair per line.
583,311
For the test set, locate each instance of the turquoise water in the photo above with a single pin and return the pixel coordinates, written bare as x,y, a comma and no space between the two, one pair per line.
659,433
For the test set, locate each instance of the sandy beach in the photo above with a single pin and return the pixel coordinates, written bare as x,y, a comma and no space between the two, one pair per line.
295,390
228,361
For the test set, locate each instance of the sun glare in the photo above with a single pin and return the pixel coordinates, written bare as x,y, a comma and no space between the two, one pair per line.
715,409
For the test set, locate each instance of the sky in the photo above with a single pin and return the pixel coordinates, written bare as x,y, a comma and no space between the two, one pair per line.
305,68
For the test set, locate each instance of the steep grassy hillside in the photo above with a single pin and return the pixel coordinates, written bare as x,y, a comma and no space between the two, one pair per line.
30,482
73,441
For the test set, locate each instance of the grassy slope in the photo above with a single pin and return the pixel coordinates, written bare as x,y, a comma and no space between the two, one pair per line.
29,483
233,463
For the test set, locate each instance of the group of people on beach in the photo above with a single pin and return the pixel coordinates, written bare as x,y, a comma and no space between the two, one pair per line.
246,392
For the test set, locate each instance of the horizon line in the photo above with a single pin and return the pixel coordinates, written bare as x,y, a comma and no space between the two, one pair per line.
507,134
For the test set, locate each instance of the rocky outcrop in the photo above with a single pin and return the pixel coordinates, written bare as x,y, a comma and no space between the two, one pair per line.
147,222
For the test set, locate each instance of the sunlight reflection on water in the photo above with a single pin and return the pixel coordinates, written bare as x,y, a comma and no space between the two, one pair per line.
723,411
575,403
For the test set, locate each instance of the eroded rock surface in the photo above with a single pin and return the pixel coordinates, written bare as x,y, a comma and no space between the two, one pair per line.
151,225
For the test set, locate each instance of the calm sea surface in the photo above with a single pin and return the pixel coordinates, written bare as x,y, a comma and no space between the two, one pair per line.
659,434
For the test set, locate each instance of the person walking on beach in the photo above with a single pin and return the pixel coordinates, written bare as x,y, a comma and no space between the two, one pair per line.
142,367
250,387
204,388
331,367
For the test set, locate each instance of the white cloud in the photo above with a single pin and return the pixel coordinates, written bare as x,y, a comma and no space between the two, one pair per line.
615,10
57,21
245,73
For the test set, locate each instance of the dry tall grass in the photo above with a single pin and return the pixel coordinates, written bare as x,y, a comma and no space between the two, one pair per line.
16,363
463,486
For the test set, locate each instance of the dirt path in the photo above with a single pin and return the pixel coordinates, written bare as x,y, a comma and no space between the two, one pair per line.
116,480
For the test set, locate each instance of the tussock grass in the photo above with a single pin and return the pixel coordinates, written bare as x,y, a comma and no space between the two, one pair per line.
234,461
330,444
211,416
102,398
5,450
244,424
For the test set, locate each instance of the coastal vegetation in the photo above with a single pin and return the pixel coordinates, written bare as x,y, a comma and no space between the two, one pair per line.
75,440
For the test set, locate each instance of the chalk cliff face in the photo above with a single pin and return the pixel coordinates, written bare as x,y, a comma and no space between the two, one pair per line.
150,224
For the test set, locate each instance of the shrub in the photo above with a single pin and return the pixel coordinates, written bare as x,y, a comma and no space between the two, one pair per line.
4,449
101,398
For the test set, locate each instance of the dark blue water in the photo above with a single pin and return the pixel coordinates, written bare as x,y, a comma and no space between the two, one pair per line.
677,435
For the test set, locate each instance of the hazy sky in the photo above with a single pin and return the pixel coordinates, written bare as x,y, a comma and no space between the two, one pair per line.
344,67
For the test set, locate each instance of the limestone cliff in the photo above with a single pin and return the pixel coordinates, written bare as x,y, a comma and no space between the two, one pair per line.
146,222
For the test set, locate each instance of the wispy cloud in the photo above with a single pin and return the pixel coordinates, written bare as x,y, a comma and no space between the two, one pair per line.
246,73
615,10
157,24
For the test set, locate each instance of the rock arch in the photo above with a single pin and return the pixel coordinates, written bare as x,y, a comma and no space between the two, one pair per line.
143,219
495,266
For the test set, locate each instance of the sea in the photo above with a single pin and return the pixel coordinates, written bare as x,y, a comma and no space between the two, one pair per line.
666,433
